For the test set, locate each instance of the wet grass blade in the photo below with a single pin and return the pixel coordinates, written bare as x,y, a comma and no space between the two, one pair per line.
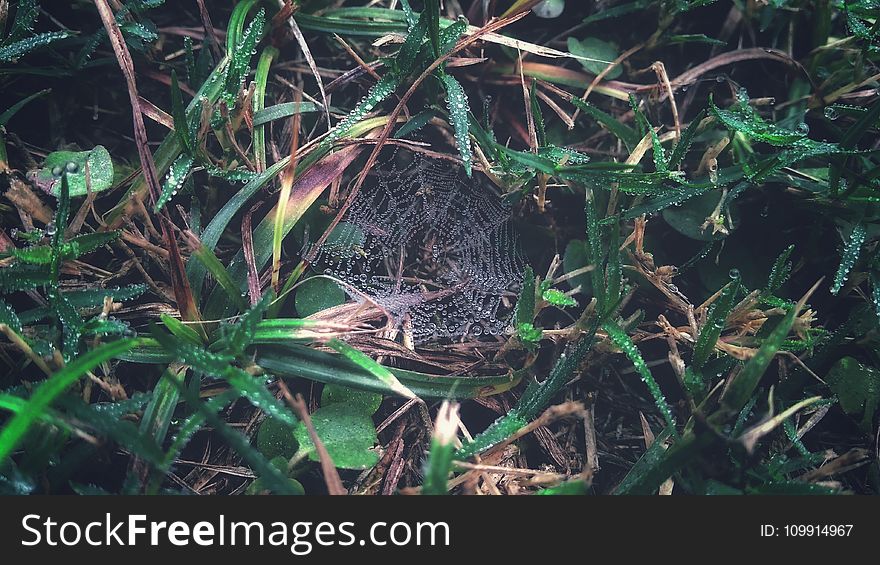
299,361
371,366
625,343
50,389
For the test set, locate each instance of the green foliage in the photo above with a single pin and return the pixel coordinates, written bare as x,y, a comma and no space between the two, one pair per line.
43,397
316,294
623,341
728,180
595,54
85,171
346,429
857,387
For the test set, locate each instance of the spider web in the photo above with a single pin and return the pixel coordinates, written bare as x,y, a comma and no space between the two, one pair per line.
434,248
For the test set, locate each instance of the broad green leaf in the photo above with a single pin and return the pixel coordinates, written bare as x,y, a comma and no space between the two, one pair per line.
596,55
317,294
275,438
577,256
74,164
348,436
689,218
356,400
857,387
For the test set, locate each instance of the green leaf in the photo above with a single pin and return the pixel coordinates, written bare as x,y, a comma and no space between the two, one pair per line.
574,487
535,399
181,330
275,439
594,55
356,400
684,142
457,101
160,411
857,387
371,366
70,320
558,298
174,180
178,114
432,21
404,63
649,460
220,274
694,38
74,164
688,218
850,255
577,256
416,123
240,57
304,362
379,92
238,336
317,294
13,51
283,110
213,364
525,305
9,318
742,117
253,388
714,325
50,389
780,271
347,435
23,277
196,270
270,474
741,388
623,341
441,453
26,14
594,244
624,133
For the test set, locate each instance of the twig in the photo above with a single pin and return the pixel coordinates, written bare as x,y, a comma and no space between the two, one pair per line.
331,475
127,66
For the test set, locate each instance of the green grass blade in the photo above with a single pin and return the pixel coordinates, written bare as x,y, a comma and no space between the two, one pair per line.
623,341
715,319
851,251
371,366
55,385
